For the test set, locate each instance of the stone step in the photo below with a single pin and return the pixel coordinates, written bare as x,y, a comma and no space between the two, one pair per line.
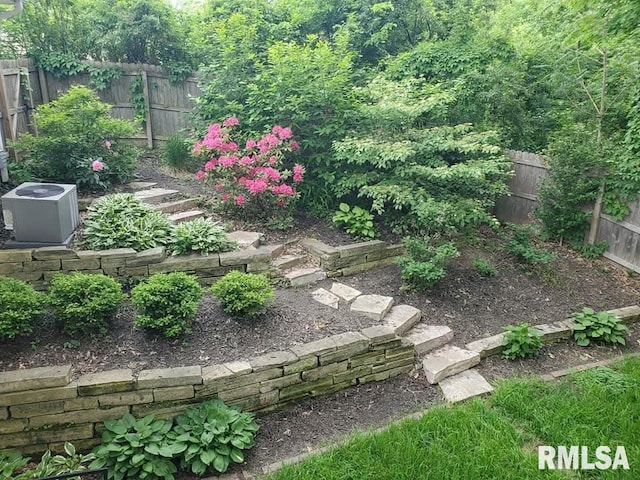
177,206
288,261
305,276
180,217
326,298
345,292
154,195
425,338
140,185
372,306
448,361
246,239
462,386
402,318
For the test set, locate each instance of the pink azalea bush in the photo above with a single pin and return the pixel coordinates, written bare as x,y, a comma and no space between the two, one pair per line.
248,178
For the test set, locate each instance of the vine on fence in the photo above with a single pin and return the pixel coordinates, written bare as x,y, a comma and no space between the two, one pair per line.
137,100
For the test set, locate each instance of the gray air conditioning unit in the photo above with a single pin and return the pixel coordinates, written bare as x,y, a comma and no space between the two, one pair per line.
41,212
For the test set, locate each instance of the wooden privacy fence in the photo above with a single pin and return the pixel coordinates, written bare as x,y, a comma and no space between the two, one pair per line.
622,237
23,86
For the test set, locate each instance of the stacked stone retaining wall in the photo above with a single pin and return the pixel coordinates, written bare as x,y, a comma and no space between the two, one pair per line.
41,408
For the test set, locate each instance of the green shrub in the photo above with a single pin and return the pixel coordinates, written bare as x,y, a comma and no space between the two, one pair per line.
424,265
520,244
176,152
520,341
137,449
244,294
357,221
484,268
201,235
84,303
601,326
74,131
167,302
122,221
20,305
595,250
213,435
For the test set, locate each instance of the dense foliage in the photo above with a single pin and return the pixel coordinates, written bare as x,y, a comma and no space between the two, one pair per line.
243,294
78,142
521,341
120,220
425,262
201,235
12,462
601,326
84,303
20,306
167,302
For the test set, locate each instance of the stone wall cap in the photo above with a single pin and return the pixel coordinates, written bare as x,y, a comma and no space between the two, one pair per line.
34,378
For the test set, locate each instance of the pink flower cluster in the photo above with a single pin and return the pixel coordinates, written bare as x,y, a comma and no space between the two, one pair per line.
253,175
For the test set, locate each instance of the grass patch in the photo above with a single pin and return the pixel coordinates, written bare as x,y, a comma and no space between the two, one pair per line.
497,438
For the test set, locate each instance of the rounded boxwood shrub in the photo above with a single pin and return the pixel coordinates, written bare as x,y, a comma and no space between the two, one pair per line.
244,294
167,302
20,305
122,221
85,303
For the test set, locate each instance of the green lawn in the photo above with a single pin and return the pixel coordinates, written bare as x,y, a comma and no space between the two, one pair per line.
497,438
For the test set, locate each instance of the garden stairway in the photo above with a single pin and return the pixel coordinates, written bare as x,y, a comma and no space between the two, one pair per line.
163,199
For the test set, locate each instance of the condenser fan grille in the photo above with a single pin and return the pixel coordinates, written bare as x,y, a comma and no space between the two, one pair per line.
40,191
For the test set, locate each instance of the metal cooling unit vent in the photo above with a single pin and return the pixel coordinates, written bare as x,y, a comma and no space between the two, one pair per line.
41,212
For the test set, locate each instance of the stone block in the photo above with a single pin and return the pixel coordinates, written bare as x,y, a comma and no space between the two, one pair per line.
185,264
365,267
243,257
374,377
348,344
342,262
81,264
326,298
246,239
399,353
241,392
4,413
88,254
258,267
112,381
271,360
236,381
425,338
34,379
324,371
42,266
11,268
28,277
356,249
390,251
370,358
163,410
300,365
15,256
345,292
34,409
49,275
304,389
402,318
35,396
147,257
315,348
554,331
288,261
36,437
256,402
305,276
281,382
136,397
352,374
53,253
319,249
216,372
464,385
170,377
379,334
372,306
142,271
14,425
173,393
117,253
81,403
448,361
402,362
77,417
239,367
487,346
215,273
628,314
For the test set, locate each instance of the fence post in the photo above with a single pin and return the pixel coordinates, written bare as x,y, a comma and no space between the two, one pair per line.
44,88
4,109
147,109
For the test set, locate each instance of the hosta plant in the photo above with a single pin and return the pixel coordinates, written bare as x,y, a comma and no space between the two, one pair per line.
356,221
201,235
601,326
521,341
137,449
213,435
